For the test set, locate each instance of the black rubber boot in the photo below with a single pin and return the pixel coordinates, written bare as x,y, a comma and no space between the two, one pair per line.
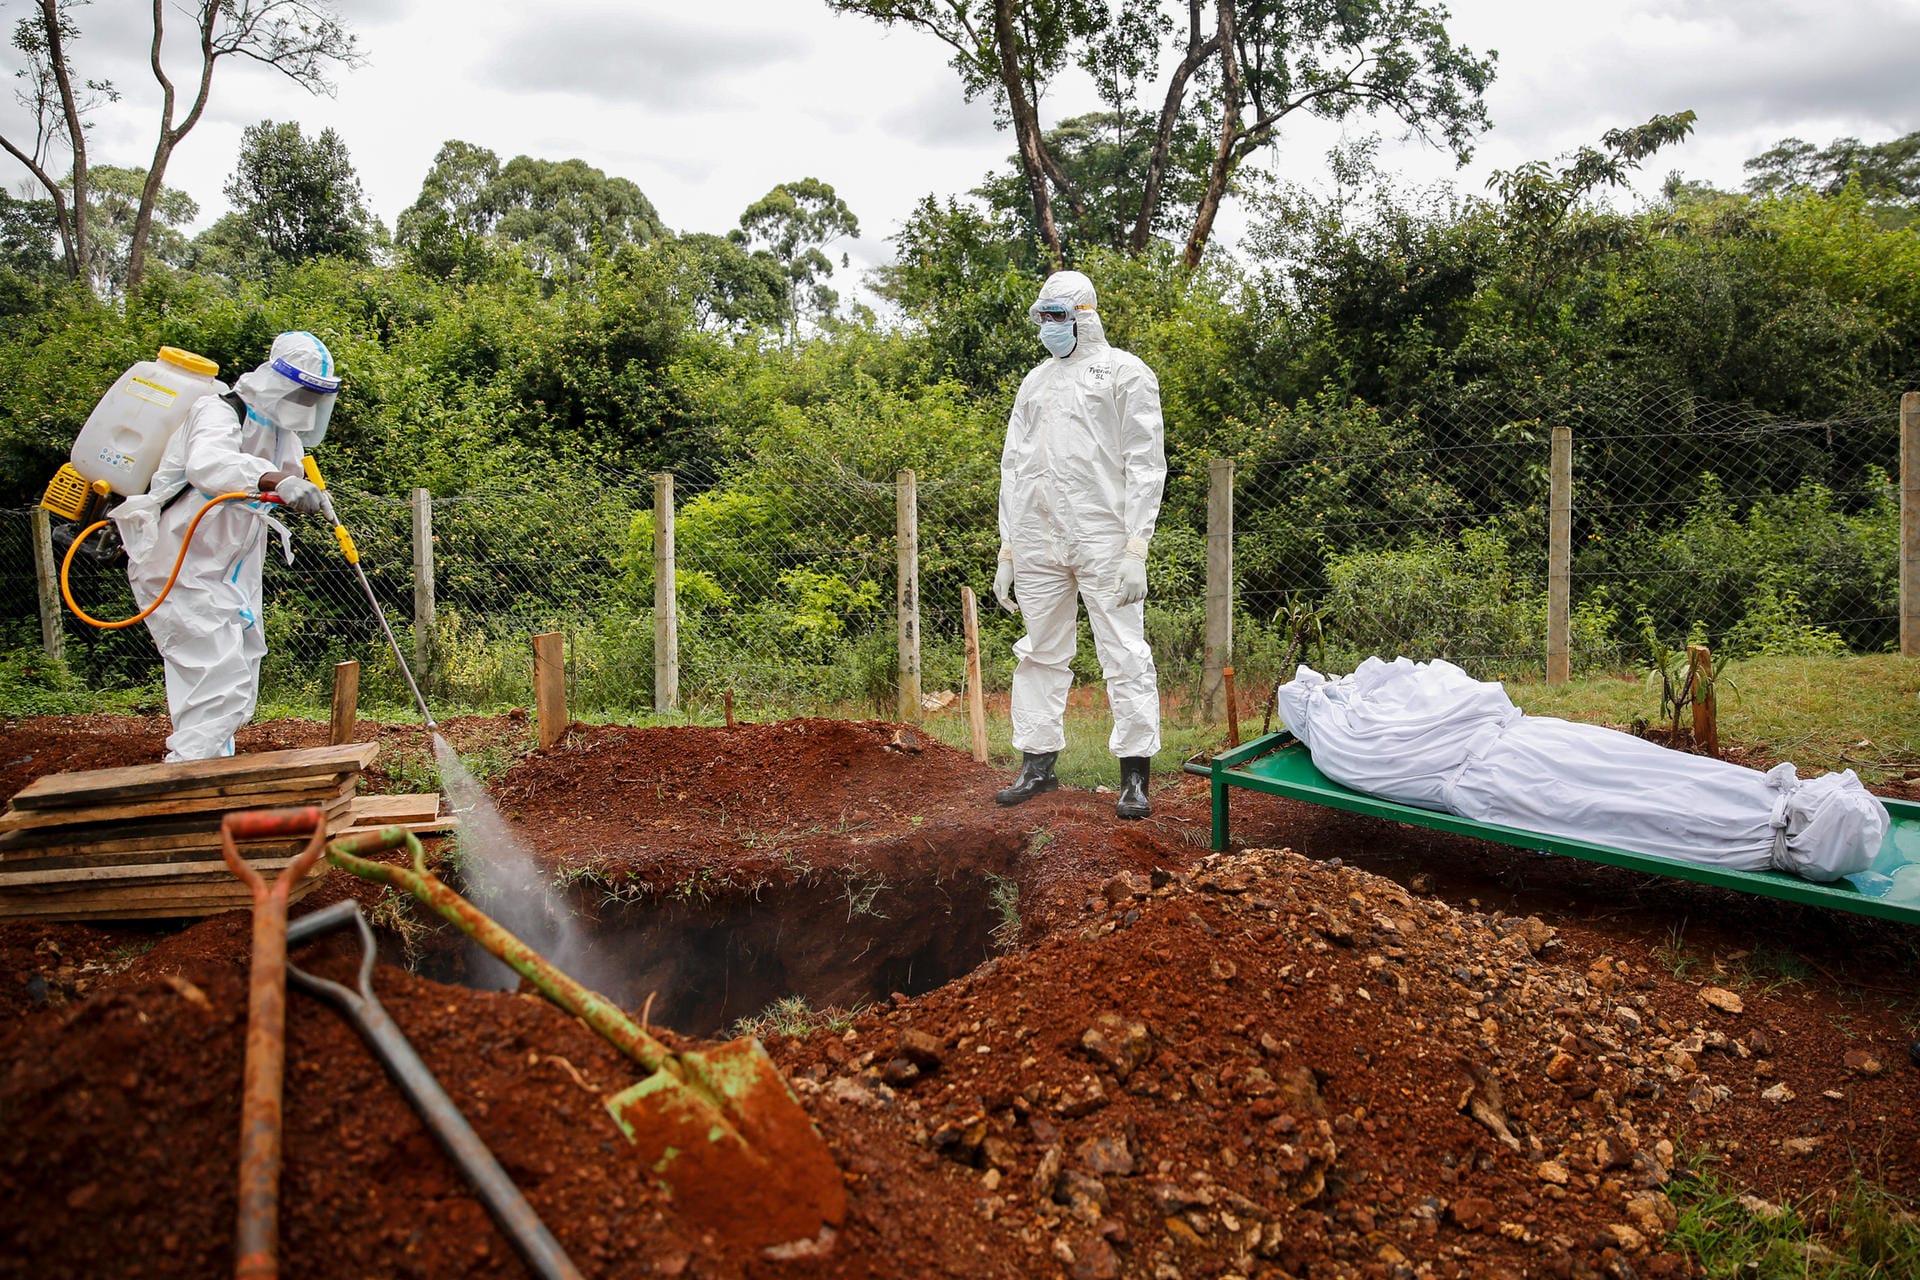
1134,772
1036,778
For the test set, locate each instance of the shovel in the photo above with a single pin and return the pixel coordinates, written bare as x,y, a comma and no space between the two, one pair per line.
358,1005
256,1238
719,1128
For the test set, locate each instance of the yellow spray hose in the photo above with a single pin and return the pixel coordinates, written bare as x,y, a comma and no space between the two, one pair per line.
352,554
67,563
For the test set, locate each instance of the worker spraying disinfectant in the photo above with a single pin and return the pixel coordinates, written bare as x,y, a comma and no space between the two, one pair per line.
219,463
203,473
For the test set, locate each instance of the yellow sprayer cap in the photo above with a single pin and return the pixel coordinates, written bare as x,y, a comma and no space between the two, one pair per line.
189,361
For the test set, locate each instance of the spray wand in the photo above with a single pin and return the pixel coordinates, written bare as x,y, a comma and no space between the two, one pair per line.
352,556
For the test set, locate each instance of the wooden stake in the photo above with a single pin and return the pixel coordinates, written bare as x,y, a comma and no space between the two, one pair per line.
906,597
346,701
666,600
550,686
1219,605
1910,524
1560,558
976,699
46,575
1706,733
1233,707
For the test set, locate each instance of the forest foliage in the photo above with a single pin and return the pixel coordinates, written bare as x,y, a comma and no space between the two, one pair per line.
1384,361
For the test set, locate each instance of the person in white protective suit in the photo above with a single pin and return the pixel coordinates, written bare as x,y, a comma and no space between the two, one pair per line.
1080,483
209,628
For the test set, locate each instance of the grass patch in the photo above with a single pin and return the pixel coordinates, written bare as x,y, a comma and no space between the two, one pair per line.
1674,955
1085,763
1003,895
1820,713
792,1016
1865,1233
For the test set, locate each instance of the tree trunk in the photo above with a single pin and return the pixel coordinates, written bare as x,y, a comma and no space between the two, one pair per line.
143,220
1198,51
1026,127
62,217
80,258
1223,156
205,17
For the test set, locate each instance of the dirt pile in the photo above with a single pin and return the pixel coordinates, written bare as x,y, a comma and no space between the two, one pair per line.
1275,1066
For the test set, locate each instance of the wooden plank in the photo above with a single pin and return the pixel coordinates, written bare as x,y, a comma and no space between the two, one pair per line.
335,796
248,791
105,839
88,787
209,890
128,907
149,857
50,879
376,810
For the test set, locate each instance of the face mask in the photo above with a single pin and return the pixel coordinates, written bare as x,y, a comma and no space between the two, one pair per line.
1058,337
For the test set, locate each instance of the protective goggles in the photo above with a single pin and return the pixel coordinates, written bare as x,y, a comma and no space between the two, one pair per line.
1051,309
311,381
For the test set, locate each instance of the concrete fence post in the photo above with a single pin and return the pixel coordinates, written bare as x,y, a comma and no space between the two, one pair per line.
1560,560
53,633
423,646
1219,622
906,599
666,600
1910,524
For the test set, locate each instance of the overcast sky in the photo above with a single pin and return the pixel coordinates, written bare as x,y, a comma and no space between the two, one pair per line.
707,106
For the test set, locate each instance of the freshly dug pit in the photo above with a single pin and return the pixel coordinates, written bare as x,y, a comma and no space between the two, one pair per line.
702,953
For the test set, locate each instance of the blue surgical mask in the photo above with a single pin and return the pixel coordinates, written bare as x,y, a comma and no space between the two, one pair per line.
1058,337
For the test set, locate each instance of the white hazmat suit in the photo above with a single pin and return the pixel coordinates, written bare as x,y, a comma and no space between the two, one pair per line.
209,628
1080,482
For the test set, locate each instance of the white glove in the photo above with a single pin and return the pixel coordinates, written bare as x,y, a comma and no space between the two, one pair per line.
297,494
1003,586
1132,581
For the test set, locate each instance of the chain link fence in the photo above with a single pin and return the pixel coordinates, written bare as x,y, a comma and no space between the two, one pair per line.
1355,531
1376,532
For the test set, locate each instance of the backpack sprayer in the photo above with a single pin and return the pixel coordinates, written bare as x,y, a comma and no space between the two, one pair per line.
118,450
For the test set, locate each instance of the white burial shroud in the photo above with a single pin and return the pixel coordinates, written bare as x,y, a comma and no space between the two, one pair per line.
1428,734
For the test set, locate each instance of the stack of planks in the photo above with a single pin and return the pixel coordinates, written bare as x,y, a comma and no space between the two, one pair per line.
144,842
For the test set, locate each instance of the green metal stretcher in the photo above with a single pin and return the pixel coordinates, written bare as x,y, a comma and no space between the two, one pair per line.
1279,765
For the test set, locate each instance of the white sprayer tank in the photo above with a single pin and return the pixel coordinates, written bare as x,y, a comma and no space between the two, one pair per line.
126,432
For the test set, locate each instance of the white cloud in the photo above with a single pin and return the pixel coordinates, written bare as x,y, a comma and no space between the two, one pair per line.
706,107
675,65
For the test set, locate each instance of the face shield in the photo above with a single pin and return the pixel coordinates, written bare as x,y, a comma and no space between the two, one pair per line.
308,403
296,389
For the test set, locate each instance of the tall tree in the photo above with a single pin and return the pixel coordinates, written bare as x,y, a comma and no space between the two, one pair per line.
1888,172
443,232
301,39
1103,161
1236,75
113,203
558,212
59,110
792,223
302,198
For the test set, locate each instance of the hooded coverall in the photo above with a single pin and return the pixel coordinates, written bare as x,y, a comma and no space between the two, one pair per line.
1080,482
209,628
